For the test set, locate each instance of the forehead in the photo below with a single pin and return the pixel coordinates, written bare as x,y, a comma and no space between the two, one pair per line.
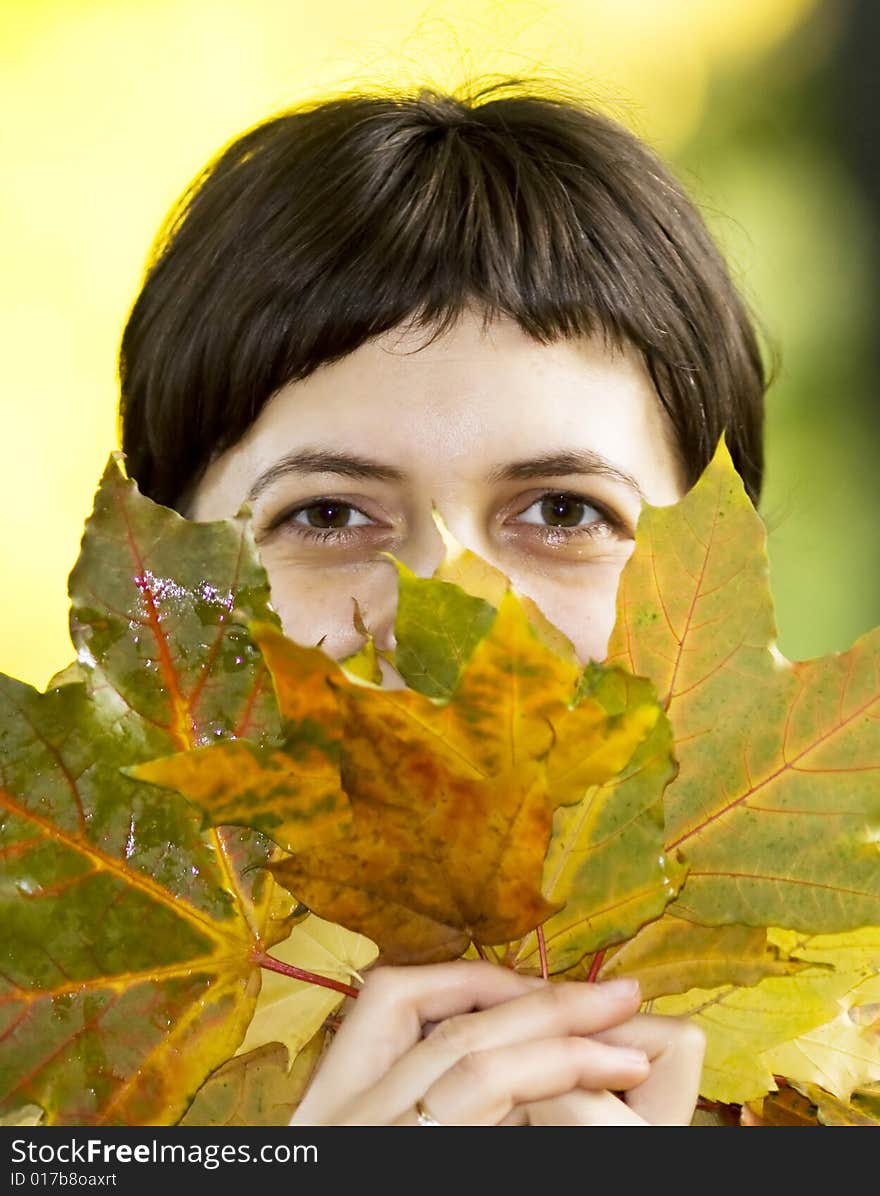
470,400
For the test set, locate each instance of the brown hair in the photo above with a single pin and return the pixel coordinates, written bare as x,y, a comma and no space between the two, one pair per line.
329,224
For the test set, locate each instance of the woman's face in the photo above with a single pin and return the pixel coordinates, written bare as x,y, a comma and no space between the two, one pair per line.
537,456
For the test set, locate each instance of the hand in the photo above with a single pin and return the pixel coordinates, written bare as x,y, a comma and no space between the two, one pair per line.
478,1044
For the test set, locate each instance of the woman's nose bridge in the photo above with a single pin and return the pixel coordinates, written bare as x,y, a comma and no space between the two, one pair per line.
422,555
427,549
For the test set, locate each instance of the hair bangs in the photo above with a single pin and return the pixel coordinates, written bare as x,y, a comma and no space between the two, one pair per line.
327,226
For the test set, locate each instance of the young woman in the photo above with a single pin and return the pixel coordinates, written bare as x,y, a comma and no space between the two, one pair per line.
502,304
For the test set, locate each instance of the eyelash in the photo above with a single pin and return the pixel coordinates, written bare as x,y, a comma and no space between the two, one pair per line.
605,521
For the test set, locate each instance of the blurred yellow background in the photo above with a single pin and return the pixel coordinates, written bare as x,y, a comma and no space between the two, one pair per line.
111,106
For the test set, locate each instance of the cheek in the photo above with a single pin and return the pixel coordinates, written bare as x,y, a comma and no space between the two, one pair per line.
583,606
315,603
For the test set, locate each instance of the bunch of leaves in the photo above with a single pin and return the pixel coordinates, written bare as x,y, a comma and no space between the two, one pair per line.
696,811
133,940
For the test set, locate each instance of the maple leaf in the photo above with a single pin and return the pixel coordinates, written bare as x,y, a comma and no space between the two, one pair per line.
669,956
509,798
124,949
452,806
260,1088
152,598
291,1011
132,942
786,1106
451,800
863,1109
776,805
754,1033
605,865
440,620
292,792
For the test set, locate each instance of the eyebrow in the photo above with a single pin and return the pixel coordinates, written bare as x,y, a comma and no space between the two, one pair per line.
307,461
567,461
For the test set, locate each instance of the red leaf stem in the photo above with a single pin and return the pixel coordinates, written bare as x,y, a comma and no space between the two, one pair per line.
542,949
287,969
598,960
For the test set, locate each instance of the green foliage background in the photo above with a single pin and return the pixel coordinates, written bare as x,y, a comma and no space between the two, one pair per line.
753,102
772,169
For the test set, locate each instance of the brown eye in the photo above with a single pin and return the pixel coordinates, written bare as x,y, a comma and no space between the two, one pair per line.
327,515
327,519
561,510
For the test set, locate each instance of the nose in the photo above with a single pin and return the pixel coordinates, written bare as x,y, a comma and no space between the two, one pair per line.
391,679
421,555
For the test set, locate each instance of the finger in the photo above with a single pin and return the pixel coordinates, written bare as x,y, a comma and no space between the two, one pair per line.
388,1015
482,1088
553,1011
577,1108
675,1048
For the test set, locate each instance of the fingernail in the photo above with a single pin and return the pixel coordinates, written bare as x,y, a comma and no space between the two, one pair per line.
620,990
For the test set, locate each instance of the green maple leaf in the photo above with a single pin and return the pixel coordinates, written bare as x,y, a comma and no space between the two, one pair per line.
451,801
131,939
776,805
740,881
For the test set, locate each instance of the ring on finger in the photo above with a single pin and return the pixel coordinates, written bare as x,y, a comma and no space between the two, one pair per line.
424,1116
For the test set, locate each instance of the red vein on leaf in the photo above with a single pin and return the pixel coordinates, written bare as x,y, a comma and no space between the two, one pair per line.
789,715
745,763
260,673
16,849
117,693
167,1044
130,876
628,630
788,765
812,813
659,590
59,887
716,668
13,1025
209,964
693,531
595,914
781,880
183,728
690,613
833,771
62,766
851,664
725,582
77,1031
708,622
680,739
607,909
222,630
